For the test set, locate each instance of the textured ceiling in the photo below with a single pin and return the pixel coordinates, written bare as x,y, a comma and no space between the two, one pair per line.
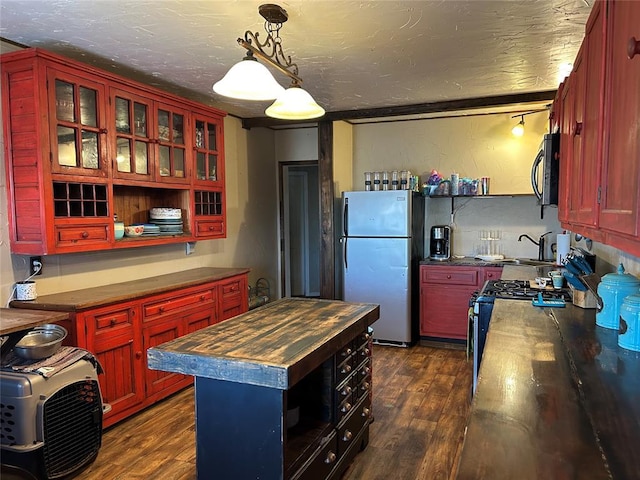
351,55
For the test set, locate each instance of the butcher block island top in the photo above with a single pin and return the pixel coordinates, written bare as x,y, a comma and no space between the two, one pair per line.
86,298
272,346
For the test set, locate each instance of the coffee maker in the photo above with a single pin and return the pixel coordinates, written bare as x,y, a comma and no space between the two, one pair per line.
440,242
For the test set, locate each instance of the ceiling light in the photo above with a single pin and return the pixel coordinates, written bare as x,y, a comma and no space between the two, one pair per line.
518,130
249,80
294,103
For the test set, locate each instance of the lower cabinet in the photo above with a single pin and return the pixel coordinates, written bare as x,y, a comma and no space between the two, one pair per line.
445,291
119,335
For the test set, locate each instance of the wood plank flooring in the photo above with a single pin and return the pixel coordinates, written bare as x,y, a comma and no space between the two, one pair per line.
421,404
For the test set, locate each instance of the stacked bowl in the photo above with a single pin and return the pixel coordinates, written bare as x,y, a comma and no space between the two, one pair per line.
168,220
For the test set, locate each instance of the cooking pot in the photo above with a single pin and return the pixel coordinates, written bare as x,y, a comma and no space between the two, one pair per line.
613,288
629,336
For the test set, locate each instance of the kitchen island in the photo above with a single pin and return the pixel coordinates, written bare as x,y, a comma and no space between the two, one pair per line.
282,391
556,398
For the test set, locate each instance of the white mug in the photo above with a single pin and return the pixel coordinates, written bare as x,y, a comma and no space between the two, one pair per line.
26,290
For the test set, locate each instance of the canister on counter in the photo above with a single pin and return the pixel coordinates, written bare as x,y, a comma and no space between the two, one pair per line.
376,181
629,335
484,185
385,180
613,288
395,181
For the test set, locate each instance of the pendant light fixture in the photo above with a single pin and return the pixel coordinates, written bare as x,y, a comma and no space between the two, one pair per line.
247,80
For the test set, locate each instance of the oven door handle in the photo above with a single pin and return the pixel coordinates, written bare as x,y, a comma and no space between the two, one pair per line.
470,320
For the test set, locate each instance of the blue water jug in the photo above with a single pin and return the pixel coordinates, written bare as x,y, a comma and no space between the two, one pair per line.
629,336
613,288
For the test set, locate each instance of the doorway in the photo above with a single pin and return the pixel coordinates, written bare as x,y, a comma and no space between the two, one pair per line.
300,229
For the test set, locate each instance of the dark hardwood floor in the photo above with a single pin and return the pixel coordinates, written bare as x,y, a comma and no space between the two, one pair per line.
421,403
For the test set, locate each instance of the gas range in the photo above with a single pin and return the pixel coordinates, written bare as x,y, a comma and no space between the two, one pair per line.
519,290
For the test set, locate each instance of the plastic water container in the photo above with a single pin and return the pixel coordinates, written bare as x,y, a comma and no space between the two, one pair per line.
629,336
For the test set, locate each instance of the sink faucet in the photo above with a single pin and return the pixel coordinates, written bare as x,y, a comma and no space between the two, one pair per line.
539,243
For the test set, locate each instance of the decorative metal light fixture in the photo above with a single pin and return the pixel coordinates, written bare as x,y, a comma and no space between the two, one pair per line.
250,80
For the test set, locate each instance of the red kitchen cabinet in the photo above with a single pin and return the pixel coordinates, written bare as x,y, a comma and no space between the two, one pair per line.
83,145
113,335
620,196
120,323
234,297
585,131
445,291
609,210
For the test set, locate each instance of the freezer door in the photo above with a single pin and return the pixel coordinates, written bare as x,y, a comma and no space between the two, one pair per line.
377,270
377,214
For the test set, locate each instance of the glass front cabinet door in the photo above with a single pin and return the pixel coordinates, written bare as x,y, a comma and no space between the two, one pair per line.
132,144
77,129
207,147
171,145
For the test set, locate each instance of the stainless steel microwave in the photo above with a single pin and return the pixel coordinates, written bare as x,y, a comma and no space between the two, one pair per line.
545,171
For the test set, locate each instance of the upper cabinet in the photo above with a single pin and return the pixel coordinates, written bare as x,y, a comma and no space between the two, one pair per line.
84,146
600,130
621,155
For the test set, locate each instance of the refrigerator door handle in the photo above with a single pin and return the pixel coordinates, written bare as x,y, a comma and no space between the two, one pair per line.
344,252
345,218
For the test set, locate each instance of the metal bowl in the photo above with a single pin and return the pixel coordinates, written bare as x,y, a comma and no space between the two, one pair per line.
41,342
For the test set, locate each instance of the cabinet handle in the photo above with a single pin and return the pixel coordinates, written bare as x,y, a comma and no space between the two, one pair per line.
346,369
346,352
365,371
161,309
113,322
347,436
490,275
202,297
85,235
366,412
346,391
346,407
138,355
331,457
449,277
577,129
103,130
633,47
365,386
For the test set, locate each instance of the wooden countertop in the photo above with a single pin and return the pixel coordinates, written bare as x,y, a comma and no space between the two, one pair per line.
556,398
274,346
14,320
119,292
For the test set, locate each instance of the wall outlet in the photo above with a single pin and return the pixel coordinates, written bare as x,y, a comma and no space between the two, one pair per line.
35,265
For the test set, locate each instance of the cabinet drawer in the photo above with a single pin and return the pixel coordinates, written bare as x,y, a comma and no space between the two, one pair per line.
116,318
454,276
352,426
231,289
177,302
206,228
81,234
321,462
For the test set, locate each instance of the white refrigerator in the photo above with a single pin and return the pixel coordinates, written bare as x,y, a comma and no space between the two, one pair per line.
382,245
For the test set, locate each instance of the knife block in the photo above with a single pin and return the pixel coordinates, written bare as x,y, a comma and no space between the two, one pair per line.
584,299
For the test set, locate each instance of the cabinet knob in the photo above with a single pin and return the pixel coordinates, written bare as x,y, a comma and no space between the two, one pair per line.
346,352
346,391
633,47
449,277
346,369
85,235
138,355
365,386
346,407
490,275
331,457
113,321
366,412
161,309
347,436
202,297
